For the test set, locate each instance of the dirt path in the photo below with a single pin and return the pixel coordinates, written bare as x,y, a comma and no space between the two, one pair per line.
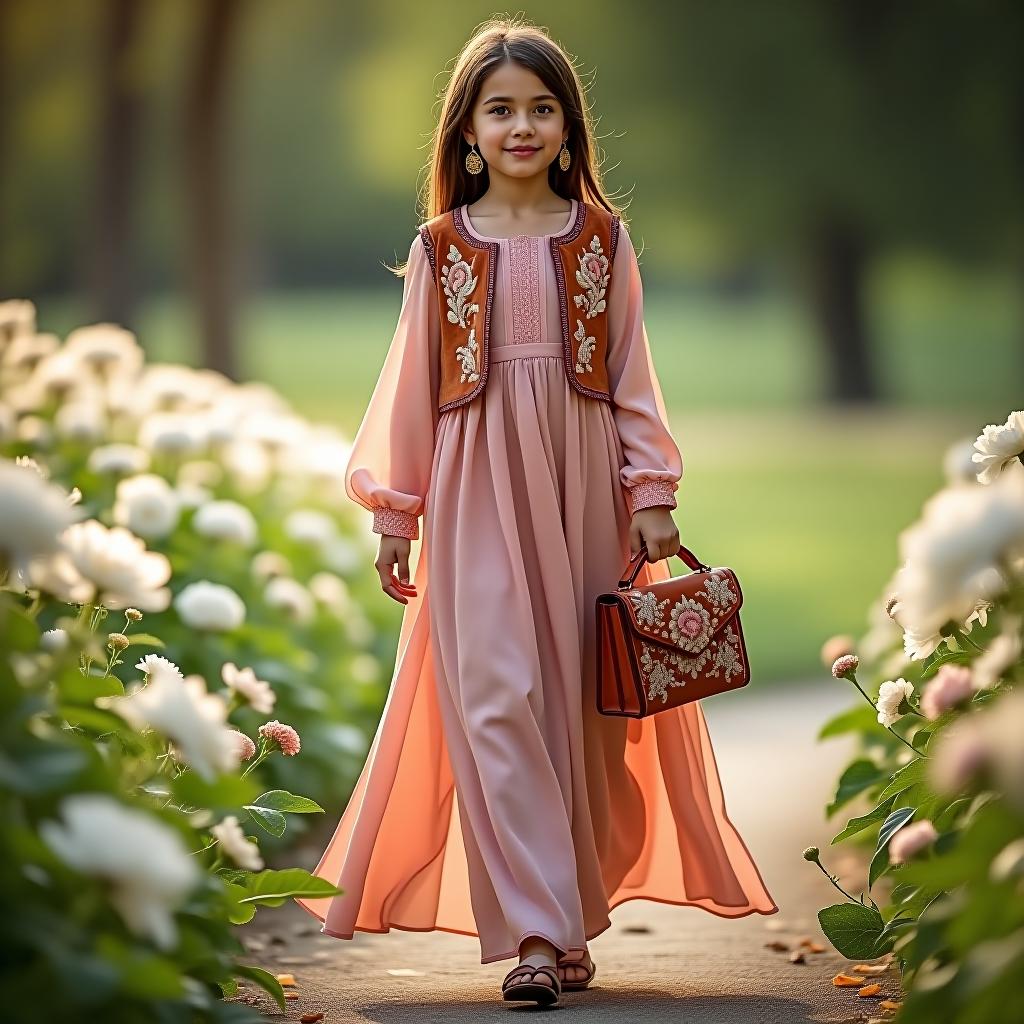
656,962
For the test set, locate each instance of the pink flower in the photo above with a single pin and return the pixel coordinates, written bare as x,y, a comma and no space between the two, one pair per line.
911,839
283,735
960,754
844,665
689,622
457,277
246,747
835,647
951,686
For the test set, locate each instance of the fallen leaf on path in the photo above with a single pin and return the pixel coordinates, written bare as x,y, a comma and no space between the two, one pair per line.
811,946
404,972
870,990
285,979
845,981
291,994
890,1004
779,947
871,968
797,957
311,1018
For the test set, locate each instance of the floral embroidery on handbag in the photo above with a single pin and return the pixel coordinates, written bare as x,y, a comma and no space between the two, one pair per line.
466,355
459,283
690,626
593,279
585,350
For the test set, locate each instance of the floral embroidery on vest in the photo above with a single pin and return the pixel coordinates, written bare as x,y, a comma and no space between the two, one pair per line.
585,350
466,355
459,282
593,278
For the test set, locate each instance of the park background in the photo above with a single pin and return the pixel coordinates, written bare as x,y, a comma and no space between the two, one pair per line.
825,195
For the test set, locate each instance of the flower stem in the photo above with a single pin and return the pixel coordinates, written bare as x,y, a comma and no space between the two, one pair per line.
834,882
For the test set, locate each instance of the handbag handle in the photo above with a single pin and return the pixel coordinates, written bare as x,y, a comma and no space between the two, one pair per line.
635,563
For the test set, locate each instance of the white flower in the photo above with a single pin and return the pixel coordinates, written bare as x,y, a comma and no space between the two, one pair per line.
147,505
330,590
226,520
171,432
269,563
890,695
34,430
117,563
310,526
146,863
997,445
80,420
17,317
183,711
54,640
248,463
244,682
154,662
107,348
1002,652
291,597
210,606
952,557
235,845
341,555
958,464
24,352
33,515
119,459
200,472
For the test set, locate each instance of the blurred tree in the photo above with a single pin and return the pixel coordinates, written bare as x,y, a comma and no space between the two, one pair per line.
210,252
842,129
112,267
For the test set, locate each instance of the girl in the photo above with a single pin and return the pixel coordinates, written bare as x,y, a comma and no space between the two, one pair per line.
519,412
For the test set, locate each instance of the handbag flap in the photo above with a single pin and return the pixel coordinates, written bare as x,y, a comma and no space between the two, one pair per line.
684,612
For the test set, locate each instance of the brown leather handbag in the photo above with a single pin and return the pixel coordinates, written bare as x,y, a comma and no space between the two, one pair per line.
668,643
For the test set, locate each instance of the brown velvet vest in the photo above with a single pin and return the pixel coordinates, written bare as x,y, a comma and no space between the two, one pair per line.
464,269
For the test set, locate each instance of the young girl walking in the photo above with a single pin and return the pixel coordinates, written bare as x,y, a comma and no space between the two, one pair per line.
518,412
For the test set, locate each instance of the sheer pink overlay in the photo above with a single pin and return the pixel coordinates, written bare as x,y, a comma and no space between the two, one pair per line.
495,800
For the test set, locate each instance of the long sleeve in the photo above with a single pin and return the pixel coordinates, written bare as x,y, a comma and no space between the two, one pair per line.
389,466
653,464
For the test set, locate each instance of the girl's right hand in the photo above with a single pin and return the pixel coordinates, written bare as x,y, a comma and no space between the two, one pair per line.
395,551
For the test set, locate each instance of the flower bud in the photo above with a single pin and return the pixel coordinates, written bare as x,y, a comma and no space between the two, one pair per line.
811,853
117,641
133,614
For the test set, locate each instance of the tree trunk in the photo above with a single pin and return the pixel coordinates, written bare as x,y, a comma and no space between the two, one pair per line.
209,251
112,262
838,262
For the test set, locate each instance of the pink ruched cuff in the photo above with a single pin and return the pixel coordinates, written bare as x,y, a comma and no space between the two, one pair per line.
648,493
395,523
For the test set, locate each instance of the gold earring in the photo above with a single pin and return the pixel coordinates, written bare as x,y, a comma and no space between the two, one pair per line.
564,158
474,162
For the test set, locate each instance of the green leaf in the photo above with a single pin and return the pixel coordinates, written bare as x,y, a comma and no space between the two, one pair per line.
79,689
945,658
282,800
855,825
860,775
270,820
238,912
18,629
274,887
264,979
892,824
855,930
856,719
907,776
229,792
144,640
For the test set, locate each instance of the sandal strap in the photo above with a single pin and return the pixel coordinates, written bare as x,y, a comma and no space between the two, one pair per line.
532,969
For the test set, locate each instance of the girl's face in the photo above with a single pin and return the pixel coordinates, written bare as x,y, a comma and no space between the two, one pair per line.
514,111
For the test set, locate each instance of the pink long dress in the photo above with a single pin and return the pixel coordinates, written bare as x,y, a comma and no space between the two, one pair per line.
495,800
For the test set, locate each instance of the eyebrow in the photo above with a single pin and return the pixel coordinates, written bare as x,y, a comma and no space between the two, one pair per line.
511,99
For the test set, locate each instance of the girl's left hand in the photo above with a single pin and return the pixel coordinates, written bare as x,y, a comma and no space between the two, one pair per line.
654,527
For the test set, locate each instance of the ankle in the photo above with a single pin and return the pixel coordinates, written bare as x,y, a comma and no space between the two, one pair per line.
537,947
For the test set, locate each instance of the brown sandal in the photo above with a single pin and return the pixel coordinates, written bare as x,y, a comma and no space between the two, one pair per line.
577,984
538,992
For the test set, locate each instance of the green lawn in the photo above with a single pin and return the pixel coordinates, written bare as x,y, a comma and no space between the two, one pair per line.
803,502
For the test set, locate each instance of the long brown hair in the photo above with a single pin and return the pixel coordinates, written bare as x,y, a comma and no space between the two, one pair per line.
496,42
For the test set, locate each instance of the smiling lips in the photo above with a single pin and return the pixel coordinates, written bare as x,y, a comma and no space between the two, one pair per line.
524,149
